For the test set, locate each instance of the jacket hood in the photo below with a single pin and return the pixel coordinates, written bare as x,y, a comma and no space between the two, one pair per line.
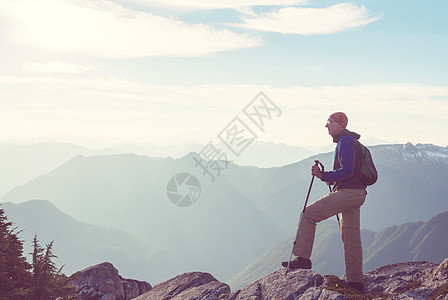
337,137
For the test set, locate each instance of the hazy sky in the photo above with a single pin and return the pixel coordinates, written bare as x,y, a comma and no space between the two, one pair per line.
175,70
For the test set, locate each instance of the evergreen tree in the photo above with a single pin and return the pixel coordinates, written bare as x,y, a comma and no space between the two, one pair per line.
48,281
45,282
36,287
15,277
6,283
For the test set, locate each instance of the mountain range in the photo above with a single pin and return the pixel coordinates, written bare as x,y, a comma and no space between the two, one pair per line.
78,245
129,192
241,215
23,162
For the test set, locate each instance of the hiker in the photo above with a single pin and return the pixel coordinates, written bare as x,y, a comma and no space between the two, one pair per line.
346,198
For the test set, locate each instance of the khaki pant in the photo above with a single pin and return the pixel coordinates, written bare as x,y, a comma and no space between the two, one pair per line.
348,203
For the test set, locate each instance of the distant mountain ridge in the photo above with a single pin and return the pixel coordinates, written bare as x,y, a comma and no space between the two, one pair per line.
409,242
23,162
129,192
79,245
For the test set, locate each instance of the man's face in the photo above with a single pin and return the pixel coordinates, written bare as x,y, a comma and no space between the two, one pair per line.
333,127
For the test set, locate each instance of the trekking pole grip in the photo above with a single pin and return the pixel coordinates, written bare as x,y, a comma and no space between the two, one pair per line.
318,163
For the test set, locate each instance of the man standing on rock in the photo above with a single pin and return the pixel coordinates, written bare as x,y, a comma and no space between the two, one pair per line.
346,198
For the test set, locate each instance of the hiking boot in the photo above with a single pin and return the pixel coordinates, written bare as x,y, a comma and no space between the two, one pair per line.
358,286
298,263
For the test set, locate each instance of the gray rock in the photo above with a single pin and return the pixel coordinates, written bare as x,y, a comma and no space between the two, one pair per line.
143,287
413,280
102,282
109,296
432,279
437,274
396,278
211,290
102,279
278,286
315,293
194,285
130,288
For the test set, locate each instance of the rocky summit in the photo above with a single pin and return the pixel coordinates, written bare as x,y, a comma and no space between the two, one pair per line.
412,280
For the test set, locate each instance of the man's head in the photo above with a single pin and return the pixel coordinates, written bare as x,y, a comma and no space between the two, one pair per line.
336,123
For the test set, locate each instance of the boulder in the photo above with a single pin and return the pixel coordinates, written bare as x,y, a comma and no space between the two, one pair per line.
103,282
99,281
395,278
194,285
412,280
278,285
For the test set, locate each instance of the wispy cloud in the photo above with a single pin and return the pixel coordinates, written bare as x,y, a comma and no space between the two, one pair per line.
306,21
104,29
56,67
215,4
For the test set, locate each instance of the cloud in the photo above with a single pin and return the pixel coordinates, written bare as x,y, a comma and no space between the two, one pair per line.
215,4
104,29
377,98
56,67
126,110
306,21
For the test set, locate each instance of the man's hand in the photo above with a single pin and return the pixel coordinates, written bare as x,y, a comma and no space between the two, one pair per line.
315,171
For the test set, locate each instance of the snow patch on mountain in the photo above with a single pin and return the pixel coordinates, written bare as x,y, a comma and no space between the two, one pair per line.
422,152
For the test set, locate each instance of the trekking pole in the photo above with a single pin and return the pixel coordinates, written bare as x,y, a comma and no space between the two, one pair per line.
329,187
301,217
337,215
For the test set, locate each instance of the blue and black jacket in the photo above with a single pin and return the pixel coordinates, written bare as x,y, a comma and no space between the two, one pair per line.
343,174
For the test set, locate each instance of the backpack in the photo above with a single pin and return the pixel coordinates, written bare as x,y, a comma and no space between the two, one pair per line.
365,168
